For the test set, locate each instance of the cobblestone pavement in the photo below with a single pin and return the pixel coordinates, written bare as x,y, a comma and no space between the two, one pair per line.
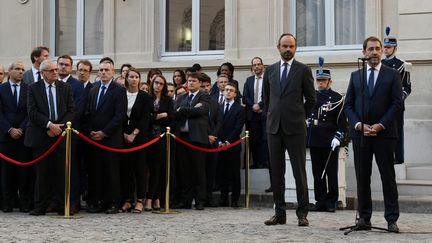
210,225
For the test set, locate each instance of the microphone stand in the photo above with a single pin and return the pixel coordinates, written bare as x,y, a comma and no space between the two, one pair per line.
361,224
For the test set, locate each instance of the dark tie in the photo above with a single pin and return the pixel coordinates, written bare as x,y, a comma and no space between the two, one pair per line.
220,99
15,93
371,80
284,72
189,100
39,76
226,109
101,96
51,103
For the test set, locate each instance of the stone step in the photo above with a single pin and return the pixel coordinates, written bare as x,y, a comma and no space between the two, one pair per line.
423,172
415,187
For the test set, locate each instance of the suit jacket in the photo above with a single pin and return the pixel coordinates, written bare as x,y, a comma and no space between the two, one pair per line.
379,107
248,97
38,112
140,117
28,77
77,89
213,116
11,114
197,116
110,115
288,107
166,104
230,125
81,109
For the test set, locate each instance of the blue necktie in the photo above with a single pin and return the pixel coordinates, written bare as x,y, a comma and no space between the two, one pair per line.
15,93
51,103
101,96
226,109
371,80
284,72
190,98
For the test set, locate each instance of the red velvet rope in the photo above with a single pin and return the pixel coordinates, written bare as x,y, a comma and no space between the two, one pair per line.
43,156
207,150
117,150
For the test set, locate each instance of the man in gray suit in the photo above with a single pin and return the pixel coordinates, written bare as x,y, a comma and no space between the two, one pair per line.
37,56
289,96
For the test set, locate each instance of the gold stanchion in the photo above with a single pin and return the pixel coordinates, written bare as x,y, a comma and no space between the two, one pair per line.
68,131
247,171
167,210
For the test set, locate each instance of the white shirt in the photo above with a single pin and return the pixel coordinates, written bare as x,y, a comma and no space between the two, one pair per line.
376,71
288,66
260,80
65,79
229,106
54,93
131,98
18,89
35,74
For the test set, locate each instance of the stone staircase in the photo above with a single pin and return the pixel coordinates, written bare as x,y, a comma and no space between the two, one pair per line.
418,180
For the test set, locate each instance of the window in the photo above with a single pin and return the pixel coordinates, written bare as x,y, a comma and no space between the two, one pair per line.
329,23
78,28
193,27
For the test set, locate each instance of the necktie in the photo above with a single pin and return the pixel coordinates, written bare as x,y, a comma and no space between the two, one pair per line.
371,80
221,99
15,93
51,103
101,96
190,98
284,72
256,90
39,76
226,109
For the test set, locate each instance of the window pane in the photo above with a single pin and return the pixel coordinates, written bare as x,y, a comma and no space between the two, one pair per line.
66,14
310,22
93,27
349,22
212,25
178,25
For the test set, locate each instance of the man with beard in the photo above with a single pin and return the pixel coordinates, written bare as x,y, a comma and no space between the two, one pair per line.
289,96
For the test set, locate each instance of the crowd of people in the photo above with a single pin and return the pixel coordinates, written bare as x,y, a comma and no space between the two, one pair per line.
128,111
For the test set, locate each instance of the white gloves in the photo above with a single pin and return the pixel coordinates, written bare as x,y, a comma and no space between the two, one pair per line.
335,143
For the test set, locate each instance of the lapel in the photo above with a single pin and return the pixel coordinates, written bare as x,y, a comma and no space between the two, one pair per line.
42,93
196,98
288,83
108,93
275,80
252,87
230,111
59,92
9,94
22,94
378,82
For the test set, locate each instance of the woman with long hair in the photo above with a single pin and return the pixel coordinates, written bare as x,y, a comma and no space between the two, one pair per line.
136,132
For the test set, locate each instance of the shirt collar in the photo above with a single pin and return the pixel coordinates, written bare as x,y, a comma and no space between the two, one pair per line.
35,71
230,102
194,94
12,83
378,67
289,62
65,79
47,84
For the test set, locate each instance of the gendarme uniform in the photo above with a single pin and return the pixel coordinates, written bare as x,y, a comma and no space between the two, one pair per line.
327,122
404,69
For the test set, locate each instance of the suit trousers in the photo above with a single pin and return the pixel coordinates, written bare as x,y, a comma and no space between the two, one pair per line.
103,178
230,166
326,189
157,166
258,140
296,146
192,172
399,150
383,149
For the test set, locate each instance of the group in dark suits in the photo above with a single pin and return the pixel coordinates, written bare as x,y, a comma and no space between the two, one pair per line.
231,119
15,181
50,106
326,128
191,113
373,110
135,132
105,113
289,96
255,119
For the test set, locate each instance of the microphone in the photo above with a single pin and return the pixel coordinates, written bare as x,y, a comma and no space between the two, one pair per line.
364,58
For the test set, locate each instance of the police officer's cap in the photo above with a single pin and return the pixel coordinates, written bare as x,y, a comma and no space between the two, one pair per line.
322,73
389,40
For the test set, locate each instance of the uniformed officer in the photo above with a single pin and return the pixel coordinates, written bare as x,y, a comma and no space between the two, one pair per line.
404,68
326,128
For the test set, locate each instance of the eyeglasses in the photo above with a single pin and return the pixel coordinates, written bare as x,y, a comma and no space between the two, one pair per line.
54,70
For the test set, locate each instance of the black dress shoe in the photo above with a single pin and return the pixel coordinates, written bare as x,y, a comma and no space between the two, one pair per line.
181,206
363,224
7,209
24,209
392,227
268,190
331,210
94,209
112,210
318,208
276,220
199,206
302,221
37,212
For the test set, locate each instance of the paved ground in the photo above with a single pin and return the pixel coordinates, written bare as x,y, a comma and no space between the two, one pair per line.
210,225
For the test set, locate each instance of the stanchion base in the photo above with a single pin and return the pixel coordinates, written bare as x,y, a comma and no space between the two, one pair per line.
166,212
67,217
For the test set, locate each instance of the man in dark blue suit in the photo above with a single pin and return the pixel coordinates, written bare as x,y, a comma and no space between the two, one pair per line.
13,123
255,121
229,127
65,63
373,110
50,106
105,113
